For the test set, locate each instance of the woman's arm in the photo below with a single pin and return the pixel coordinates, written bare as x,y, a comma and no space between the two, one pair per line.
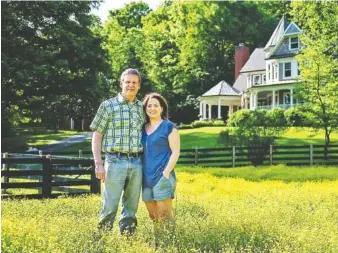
174,143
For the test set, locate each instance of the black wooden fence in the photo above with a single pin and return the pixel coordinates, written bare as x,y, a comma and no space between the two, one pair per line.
53,167
45,178
271,155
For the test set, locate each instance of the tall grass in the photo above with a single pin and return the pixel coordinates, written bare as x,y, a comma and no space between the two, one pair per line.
214,213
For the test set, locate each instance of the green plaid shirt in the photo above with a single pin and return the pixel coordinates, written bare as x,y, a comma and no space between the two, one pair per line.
121,123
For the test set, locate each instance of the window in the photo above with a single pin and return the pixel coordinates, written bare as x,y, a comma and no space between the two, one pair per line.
269,72
294,43
287,98
248,81
264,79
287,69
276,71
256,80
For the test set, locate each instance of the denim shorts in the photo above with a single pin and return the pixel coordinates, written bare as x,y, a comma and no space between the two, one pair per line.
164,189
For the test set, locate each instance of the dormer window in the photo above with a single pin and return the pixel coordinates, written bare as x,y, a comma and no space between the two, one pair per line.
294,43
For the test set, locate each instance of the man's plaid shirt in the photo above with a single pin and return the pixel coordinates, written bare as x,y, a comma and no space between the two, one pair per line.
121,123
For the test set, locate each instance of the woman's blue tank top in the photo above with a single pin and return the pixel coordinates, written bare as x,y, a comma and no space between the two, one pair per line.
156,153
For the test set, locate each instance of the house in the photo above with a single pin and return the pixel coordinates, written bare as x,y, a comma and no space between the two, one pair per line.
265,80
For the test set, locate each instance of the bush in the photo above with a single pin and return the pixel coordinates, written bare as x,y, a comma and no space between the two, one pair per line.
256,130
218,123
201,123
296,116
183,126
276,118
13,144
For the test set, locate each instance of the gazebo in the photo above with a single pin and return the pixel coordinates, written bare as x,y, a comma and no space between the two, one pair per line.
221,96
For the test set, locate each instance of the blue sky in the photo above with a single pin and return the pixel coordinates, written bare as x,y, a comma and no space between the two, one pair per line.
102,12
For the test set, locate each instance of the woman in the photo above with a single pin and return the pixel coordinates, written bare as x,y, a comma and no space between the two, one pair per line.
161,145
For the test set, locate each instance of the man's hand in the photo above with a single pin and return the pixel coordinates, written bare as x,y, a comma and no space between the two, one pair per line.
100,172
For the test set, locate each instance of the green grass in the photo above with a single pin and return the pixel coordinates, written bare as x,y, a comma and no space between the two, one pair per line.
278,172
216,210
48,137
207,137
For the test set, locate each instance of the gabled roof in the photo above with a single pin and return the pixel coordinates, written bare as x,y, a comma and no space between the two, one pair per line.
256,61
292,29
222,89
240,83
278,33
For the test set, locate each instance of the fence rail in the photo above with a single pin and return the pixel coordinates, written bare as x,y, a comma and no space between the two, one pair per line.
54,175
271,155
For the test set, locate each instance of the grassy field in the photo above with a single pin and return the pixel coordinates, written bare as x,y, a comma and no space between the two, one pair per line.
269,209
206,137
44,136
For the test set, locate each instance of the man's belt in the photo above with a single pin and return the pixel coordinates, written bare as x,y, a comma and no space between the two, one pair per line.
128,155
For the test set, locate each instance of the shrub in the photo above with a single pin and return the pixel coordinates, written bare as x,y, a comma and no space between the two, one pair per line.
13,144
200,123
218,123
183,126
256,130
296,116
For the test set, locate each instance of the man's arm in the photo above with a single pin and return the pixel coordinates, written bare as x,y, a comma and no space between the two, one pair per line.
96,149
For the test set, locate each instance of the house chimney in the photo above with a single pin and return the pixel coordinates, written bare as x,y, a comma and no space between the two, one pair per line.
242,54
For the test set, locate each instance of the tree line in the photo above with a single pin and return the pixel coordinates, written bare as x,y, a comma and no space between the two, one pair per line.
58,59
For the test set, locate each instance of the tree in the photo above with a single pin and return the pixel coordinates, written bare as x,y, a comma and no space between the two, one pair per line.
52,61
124,41
256,130
318,62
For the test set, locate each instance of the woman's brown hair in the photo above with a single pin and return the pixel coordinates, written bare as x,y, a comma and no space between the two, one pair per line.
161,100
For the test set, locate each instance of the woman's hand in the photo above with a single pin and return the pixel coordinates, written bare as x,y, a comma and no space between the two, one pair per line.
166,174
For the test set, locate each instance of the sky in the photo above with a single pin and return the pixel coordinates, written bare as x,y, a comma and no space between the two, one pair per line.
107,5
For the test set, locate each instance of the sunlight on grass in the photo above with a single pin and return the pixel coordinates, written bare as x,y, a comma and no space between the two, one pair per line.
215,212
48,138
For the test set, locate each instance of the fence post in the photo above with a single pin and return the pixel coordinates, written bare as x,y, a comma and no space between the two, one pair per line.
233,156
311,154
6,168
80,153
95,186
270,155
40,191
47,168
196,156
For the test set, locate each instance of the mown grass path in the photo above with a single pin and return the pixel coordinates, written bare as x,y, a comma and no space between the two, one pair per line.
215,212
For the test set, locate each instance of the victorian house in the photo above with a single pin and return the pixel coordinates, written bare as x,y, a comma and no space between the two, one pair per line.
264,80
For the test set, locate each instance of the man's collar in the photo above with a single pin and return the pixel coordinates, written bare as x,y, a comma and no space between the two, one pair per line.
122,99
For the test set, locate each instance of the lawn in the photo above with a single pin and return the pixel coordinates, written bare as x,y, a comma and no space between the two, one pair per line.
42,136
206,137
269,209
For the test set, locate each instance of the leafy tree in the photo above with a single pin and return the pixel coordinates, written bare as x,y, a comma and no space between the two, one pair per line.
52,61
124,41
256,130
318,62
190,45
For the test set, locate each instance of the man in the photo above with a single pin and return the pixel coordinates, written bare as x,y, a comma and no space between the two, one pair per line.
117,130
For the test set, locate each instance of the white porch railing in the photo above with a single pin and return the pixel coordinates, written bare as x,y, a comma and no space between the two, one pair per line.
283,106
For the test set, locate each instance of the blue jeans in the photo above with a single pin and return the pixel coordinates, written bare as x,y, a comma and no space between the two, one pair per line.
122,175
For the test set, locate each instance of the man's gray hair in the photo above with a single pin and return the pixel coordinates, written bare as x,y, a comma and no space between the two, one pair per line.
131,72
